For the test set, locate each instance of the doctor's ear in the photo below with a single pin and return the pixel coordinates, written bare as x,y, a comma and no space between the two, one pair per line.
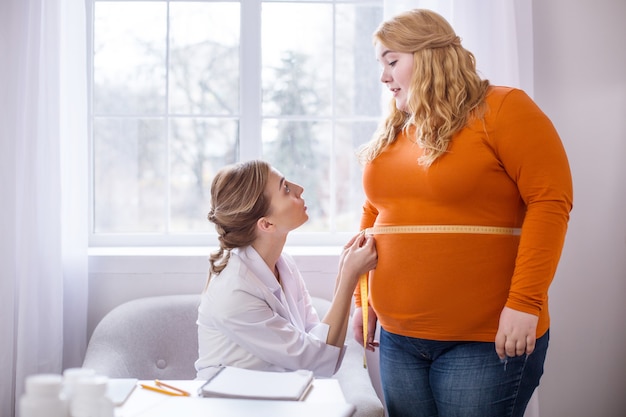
264,224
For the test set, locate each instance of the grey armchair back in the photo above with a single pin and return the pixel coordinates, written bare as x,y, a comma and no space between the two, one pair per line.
147,338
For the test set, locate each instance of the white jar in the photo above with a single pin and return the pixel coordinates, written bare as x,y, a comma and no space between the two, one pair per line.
71,377
89,398
43,397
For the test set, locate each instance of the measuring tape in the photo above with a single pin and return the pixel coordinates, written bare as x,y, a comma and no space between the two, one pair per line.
443,228
435,228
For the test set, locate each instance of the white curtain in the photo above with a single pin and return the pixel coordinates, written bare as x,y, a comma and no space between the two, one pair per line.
43,187
500,35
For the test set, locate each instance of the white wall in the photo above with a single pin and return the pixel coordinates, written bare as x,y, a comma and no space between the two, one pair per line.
580,82
125,274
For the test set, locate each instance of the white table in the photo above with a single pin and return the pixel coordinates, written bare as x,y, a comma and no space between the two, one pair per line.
324,399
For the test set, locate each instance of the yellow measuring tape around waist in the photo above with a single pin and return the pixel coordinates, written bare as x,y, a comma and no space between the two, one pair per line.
435,228
443,228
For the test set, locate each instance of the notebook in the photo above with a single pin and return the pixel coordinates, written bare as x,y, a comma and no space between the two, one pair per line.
233,382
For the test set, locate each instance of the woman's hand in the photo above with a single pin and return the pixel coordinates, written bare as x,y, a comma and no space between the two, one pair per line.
517,333
358,257
357,328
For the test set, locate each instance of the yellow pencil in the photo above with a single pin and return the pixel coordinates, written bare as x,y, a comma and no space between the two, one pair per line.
163,384
163,391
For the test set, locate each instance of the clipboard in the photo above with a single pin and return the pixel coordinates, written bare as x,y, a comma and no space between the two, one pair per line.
233,382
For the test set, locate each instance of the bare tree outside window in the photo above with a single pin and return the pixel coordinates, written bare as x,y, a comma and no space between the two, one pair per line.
167,110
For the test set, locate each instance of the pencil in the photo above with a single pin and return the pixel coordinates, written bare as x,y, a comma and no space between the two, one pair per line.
163,391
163,384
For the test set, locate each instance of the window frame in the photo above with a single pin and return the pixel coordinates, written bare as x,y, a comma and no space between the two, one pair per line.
250,126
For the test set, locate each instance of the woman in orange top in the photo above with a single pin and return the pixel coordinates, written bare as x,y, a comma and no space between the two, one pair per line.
478,180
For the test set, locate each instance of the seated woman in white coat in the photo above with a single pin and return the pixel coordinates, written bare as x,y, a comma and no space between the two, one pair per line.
255,311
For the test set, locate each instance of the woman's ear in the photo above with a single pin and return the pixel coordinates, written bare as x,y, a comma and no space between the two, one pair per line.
264,224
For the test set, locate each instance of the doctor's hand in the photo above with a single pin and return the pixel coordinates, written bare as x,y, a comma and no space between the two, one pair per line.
358,257
517,333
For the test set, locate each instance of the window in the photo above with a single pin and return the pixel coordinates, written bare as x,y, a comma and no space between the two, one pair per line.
182,88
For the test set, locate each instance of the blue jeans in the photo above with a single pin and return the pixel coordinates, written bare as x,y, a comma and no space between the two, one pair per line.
428,378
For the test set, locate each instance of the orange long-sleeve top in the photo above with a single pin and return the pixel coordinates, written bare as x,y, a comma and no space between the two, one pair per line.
507,170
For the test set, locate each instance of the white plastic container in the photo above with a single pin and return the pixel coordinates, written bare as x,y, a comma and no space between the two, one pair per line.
43,397
89,398
71,376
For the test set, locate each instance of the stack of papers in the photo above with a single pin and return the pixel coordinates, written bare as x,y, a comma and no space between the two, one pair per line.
232,382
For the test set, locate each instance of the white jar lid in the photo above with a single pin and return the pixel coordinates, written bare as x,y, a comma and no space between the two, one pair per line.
93,386
72,374
44,384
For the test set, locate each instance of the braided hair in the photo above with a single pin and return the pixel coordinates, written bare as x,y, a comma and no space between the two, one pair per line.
238,200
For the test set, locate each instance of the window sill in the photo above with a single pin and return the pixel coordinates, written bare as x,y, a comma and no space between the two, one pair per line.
192,259
199,251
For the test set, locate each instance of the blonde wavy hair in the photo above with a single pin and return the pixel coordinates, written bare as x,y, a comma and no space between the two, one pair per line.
446,90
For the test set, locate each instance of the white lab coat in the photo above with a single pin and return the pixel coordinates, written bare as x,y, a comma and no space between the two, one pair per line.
246,319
